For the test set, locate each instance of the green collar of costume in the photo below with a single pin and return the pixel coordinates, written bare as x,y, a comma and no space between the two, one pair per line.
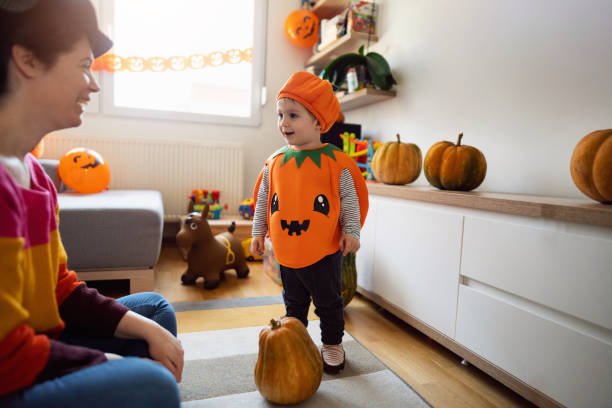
301,155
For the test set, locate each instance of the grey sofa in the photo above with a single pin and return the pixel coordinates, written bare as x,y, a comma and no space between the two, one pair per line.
115,234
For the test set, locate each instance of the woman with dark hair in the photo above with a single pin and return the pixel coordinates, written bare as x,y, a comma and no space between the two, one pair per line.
63,344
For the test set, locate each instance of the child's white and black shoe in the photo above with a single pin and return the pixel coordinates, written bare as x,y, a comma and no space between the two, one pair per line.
333,358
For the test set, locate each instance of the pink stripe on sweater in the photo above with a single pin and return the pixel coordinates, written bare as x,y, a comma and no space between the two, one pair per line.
28,213
10,208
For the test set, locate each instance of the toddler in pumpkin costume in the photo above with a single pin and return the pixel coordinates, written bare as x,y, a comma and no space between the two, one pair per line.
312,200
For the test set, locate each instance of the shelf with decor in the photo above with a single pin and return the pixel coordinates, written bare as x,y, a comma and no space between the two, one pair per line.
329,8
363,97
349,42
350,49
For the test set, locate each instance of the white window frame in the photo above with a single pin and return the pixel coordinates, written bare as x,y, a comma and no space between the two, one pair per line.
106,105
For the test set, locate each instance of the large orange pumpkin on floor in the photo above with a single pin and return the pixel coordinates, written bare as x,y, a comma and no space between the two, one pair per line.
397,162
289,367
591,165
450,166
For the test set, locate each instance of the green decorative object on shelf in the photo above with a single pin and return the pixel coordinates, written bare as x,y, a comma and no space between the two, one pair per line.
349,278
376,65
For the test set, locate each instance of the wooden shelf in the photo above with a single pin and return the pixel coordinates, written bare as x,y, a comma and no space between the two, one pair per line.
349,42
329,8
577,210
363,97
243,226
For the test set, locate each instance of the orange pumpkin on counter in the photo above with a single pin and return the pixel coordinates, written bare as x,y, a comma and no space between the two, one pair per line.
450,166
591,165
397,162
289,367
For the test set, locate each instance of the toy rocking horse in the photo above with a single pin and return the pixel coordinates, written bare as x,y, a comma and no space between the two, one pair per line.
209,256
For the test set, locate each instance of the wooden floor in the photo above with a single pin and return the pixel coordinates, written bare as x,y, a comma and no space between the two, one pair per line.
431,370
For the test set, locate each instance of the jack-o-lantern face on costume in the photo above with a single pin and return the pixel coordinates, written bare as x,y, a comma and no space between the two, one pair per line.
321,205
84,171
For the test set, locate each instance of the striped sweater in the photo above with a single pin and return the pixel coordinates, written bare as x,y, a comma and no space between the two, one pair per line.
39,296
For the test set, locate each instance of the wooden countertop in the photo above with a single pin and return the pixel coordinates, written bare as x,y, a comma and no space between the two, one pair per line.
584,211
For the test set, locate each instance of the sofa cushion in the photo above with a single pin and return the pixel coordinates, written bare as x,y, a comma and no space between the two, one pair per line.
114,229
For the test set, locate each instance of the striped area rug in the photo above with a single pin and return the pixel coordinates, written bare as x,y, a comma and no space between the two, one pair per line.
219,368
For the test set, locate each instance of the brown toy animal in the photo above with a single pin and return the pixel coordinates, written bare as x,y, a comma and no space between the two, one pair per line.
209,256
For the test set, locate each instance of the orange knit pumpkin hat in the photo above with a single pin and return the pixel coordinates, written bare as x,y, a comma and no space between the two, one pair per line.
315,94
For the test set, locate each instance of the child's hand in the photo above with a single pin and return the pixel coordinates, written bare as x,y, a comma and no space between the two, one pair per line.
349,244
257,245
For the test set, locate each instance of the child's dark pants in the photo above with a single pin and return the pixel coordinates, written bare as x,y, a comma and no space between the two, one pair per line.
323,282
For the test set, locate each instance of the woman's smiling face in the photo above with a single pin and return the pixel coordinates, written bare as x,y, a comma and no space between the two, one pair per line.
298,126
64,88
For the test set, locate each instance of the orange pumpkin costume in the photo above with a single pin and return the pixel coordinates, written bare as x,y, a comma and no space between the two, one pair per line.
303,207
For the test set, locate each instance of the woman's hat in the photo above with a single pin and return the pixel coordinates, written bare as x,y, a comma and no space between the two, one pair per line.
76,14
17,6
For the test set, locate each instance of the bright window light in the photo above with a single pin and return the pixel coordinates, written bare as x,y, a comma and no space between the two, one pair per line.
222,92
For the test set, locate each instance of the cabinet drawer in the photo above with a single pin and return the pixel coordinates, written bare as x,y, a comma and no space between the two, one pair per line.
564,266
416,262
572,368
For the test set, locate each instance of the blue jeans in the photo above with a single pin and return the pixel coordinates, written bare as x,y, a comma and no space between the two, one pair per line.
129,381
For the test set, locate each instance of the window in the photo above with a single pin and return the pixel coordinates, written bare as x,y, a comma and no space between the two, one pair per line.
198,60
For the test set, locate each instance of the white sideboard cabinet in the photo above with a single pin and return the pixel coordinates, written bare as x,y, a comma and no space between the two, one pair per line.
520,287
412,251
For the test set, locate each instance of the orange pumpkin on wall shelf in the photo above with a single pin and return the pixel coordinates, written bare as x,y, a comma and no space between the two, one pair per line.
84,171
302,28
450,166
591,165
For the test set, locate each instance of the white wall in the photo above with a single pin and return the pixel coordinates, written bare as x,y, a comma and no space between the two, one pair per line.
282,60
524,80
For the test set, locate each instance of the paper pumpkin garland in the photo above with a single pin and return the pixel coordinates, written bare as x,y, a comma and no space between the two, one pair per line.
302,28
84,171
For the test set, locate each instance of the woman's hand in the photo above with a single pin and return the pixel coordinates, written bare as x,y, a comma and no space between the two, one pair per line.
348,244
163,346
167,349
257,245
